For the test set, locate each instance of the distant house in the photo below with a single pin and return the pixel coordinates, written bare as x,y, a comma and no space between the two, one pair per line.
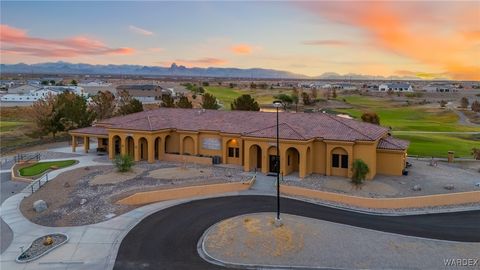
95,86
439,88
344,86
395,87
23,89
41,93
146,93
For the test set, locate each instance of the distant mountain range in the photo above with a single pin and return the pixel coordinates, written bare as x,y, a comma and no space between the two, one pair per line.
178,70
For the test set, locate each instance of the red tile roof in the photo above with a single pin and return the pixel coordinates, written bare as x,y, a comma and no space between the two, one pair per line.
391,143
91,130
296,126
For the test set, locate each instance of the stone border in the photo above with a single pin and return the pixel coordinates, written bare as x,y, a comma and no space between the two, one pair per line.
147,197
202,252
15,171
385,203
45,252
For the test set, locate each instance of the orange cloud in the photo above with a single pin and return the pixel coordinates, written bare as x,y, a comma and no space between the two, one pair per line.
17,41
242,49
417,30
201,62
326,42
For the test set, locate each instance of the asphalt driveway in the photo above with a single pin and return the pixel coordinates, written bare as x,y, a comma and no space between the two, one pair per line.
168,239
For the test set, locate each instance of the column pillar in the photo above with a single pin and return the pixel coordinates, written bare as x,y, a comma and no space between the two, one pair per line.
86,143
151,150
302,168
123,146
265,165
136,149
111,147
74,143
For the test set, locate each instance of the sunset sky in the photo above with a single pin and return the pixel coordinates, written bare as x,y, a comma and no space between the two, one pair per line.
426,39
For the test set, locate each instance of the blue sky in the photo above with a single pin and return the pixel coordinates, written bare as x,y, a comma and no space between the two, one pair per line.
302,37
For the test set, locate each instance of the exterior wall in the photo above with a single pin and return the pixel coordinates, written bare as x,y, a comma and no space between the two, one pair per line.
367,152
319,157
306,157
390,162
202,136
337,146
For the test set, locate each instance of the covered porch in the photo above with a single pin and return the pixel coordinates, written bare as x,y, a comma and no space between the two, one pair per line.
82,137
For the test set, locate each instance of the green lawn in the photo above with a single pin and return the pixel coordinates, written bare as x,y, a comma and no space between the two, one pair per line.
418,118
438,145
41,167
9,125
224,94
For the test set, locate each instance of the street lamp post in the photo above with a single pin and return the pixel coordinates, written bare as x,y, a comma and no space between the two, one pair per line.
277,104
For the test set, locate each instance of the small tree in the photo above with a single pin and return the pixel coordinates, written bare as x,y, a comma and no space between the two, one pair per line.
285,99
183,102
314,93
464,102
127,104
306,98
334,94
476,106
74,82
103,105
371,117
360,171
123,163
443,103
245,103
167,101
476,153
209,101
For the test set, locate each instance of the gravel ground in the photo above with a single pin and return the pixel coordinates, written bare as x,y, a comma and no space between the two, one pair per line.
64,194
432,180
254,239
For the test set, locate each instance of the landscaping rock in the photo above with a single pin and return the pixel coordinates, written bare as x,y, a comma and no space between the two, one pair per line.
83,201
40,206
66,185
417,188
477,184
449,187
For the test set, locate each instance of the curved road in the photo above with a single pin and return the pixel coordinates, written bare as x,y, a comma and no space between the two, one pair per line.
168,239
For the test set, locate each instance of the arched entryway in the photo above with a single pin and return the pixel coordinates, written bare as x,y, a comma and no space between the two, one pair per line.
188,145
255,157
172,144
273,163
292,163
117,144
143,148
129,146
339,162
158,148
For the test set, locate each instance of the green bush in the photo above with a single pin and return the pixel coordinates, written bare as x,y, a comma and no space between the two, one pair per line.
123,163
360,170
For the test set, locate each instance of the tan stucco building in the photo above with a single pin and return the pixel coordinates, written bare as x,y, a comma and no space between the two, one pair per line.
309,142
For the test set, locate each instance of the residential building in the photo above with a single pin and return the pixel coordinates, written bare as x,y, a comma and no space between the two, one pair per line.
41,93
395,87
439,88
317,143
146,93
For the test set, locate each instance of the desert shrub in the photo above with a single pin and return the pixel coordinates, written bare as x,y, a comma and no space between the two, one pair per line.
360,170
123,163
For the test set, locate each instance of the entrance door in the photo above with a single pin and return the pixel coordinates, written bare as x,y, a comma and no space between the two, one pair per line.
273,163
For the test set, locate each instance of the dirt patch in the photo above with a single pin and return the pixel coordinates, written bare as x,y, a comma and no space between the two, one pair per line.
114,177
180,173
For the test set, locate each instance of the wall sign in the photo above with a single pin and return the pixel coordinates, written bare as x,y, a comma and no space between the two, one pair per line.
211,144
